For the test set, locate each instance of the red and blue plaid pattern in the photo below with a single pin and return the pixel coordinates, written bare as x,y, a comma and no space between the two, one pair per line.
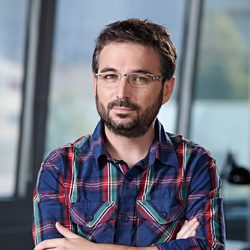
105,201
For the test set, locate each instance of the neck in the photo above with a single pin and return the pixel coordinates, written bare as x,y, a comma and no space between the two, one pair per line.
130,150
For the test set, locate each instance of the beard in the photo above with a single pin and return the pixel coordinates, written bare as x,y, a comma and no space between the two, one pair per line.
138,126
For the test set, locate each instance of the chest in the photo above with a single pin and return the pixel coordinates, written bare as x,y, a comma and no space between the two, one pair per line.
128,205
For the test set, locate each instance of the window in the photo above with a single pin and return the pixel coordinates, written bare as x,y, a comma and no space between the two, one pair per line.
72,111
25,41
220,118
12,37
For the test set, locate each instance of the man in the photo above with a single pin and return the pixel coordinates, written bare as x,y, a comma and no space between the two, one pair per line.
130,185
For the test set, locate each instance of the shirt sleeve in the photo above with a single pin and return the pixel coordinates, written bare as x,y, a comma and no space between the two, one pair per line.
49,204
204,202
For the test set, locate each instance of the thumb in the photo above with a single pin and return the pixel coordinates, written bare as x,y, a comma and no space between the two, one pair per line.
65,231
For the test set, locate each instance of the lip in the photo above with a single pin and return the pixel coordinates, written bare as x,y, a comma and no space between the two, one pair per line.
123,109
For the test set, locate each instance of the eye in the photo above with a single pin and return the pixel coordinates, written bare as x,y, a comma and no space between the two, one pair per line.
140,79
110,77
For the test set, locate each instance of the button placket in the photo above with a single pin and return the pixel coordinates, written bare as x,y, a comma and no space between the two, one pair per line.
129,178
125,219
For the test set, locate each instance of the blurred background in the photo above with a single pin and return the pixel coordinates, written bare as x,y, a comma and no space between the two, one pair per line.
46,96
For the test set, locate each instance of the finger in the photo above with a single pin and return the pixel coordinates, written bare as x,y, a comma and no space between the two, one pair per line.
65,232
193,234
192,225
190,228
189,234
191,231
48,244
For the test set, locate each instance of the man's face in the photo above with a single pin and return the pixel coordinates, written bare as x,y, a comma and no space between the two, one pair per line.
125,109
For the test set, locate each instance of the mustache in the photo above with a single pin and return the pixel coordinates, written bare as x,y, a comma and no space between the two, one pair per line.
123,103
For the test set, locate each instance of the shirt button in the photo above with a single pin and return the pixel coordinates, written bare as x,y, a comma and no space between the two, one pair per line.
125,219
110,225
129,178
90,217
164,214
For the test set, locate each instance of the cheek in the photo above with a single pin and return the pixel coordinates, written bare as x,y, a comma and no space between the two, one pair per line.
102,94
147,98
104,100
151,98
106,95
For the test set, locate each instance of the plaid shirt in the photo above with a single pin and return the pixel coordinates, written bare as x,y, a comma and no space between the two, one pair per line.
105,201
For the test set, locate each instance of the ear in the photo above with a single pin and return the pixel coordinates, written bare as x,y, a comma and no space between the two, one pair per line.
94,84
168,88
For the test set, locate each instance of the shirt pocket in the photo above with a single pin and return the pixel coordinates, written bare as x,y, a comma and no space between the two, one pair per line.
159,211
159,222
94,220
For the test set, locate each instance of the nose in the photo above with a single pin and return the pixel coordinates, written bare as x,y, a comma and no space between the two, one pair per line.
123,89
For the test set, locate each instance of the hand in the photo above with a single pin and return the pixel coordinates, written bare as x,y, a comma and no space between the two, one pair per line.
74,241
71,241
188,229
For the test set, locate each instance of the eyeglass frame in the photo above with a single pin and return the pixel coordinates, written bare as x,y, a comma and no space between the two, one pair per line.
120,75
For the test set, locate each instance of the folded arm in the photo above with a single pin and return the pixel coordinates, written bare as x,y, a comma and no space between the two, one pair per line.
73,241
204,202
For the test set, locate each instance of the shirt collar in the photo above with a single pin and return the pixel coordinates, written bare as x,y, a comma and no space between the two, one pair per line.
97,143
161,149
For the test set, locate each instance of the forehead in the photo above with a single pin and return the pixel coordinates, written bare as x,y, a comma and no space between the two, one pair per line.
129,56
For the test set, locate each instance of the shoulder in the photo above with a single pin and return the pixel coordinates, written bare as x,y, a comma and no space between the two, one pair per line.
196,162
67,149
189,149
63,155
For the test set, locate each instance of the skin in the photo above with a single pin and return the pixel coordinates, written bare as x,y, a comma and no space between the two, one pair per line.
127,58
124,58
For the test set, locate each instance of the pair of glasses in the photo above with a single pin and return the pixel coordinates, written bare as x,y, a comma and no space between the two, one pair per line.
111,79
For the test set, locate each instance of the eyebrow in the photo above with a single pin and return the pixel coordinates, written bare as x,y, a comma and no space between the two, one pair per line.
144,71
108,69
